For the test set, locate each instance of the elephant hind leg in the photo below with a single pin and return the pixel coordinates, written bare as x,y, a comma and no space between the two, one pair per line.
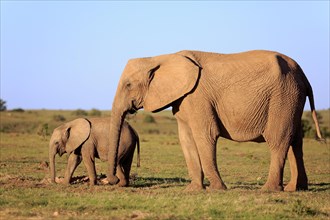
299,179
120,174
89,162
276,169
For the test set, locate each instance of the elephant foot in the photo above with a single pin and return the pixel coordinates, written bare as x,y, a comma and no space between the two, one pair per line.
272,188
293,186
122,183
65,182
194,187
216,187
112,180
92,182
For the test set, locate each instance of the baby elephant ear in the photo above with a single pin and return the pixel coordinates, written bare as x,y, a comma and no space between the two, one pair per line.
77,133
172,77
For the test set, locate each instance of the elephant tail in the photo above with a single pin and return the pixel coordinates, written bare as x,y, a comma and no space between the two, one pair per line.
313,111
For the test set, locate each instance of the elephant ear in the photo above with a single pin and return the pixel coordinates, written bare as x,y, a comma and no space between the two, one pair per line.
76,134
172,77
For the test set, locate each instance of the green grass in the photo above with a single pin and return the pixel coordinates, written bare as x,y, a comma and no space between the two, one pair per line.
157,187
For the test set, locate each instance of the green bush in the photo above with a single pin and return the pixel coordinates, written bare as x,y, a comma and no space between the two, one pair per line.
43,130
149,119
308,132
95,112
59,118
325,132
3,106
79,112
18,110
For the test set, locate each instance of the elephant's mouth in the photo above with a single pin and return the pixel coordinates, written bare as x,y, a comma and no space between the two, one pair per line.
133,109
61,151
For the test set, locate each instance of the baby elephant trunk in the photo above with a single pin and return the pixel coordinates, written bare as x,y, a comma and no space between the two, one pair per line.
52,154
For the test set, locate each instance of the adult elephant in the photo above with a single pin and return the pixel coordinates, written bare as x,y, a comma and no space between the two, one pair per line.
251,96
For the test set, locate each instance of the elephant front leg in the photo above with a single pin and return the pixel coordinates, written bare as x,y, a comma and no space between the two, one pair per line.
73,161
191,156
207,152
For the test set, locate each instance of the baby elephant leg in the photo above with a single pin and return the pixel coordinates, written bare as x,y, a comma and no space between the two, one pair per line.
90,166
73,161
89,161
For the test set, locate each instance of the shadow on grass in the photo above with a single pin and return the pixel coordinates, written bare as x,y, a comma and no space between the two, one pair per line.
141,182
319,187
313,187
245,186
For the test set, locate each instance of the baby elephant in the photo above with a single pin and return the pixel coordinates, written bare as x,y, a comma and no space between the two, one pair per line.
85,139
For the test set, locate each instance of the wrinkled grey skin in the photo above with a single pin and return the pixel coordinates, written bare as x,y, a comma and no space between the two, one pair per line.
251,96
84,139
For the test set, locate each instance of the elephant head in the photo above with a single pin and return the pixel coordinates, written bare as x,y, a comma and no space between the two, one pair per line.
151,83
67,138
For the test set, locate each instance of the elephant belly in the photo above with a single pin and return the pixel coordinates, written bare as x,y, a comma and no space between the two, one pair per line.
244,122
102,152
242,137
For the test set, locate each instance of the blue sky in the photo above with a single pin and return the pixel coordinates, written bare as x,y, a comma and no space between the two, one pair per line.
70,54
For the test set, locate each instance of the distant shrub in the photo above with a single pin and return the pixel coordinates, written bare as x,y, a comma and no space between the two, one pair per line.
80,112
43,130
59,118
95,112
7,127
149,119
325,132
310,132
307,129
18,110
3,106
152,131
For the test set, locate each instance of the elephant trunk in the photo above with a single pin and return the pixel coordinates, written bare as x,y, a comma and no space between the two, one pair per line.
117,119
52,154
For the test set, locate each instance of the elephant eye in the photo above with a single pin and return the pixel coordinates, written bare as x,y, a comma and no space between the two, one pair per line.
128,85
